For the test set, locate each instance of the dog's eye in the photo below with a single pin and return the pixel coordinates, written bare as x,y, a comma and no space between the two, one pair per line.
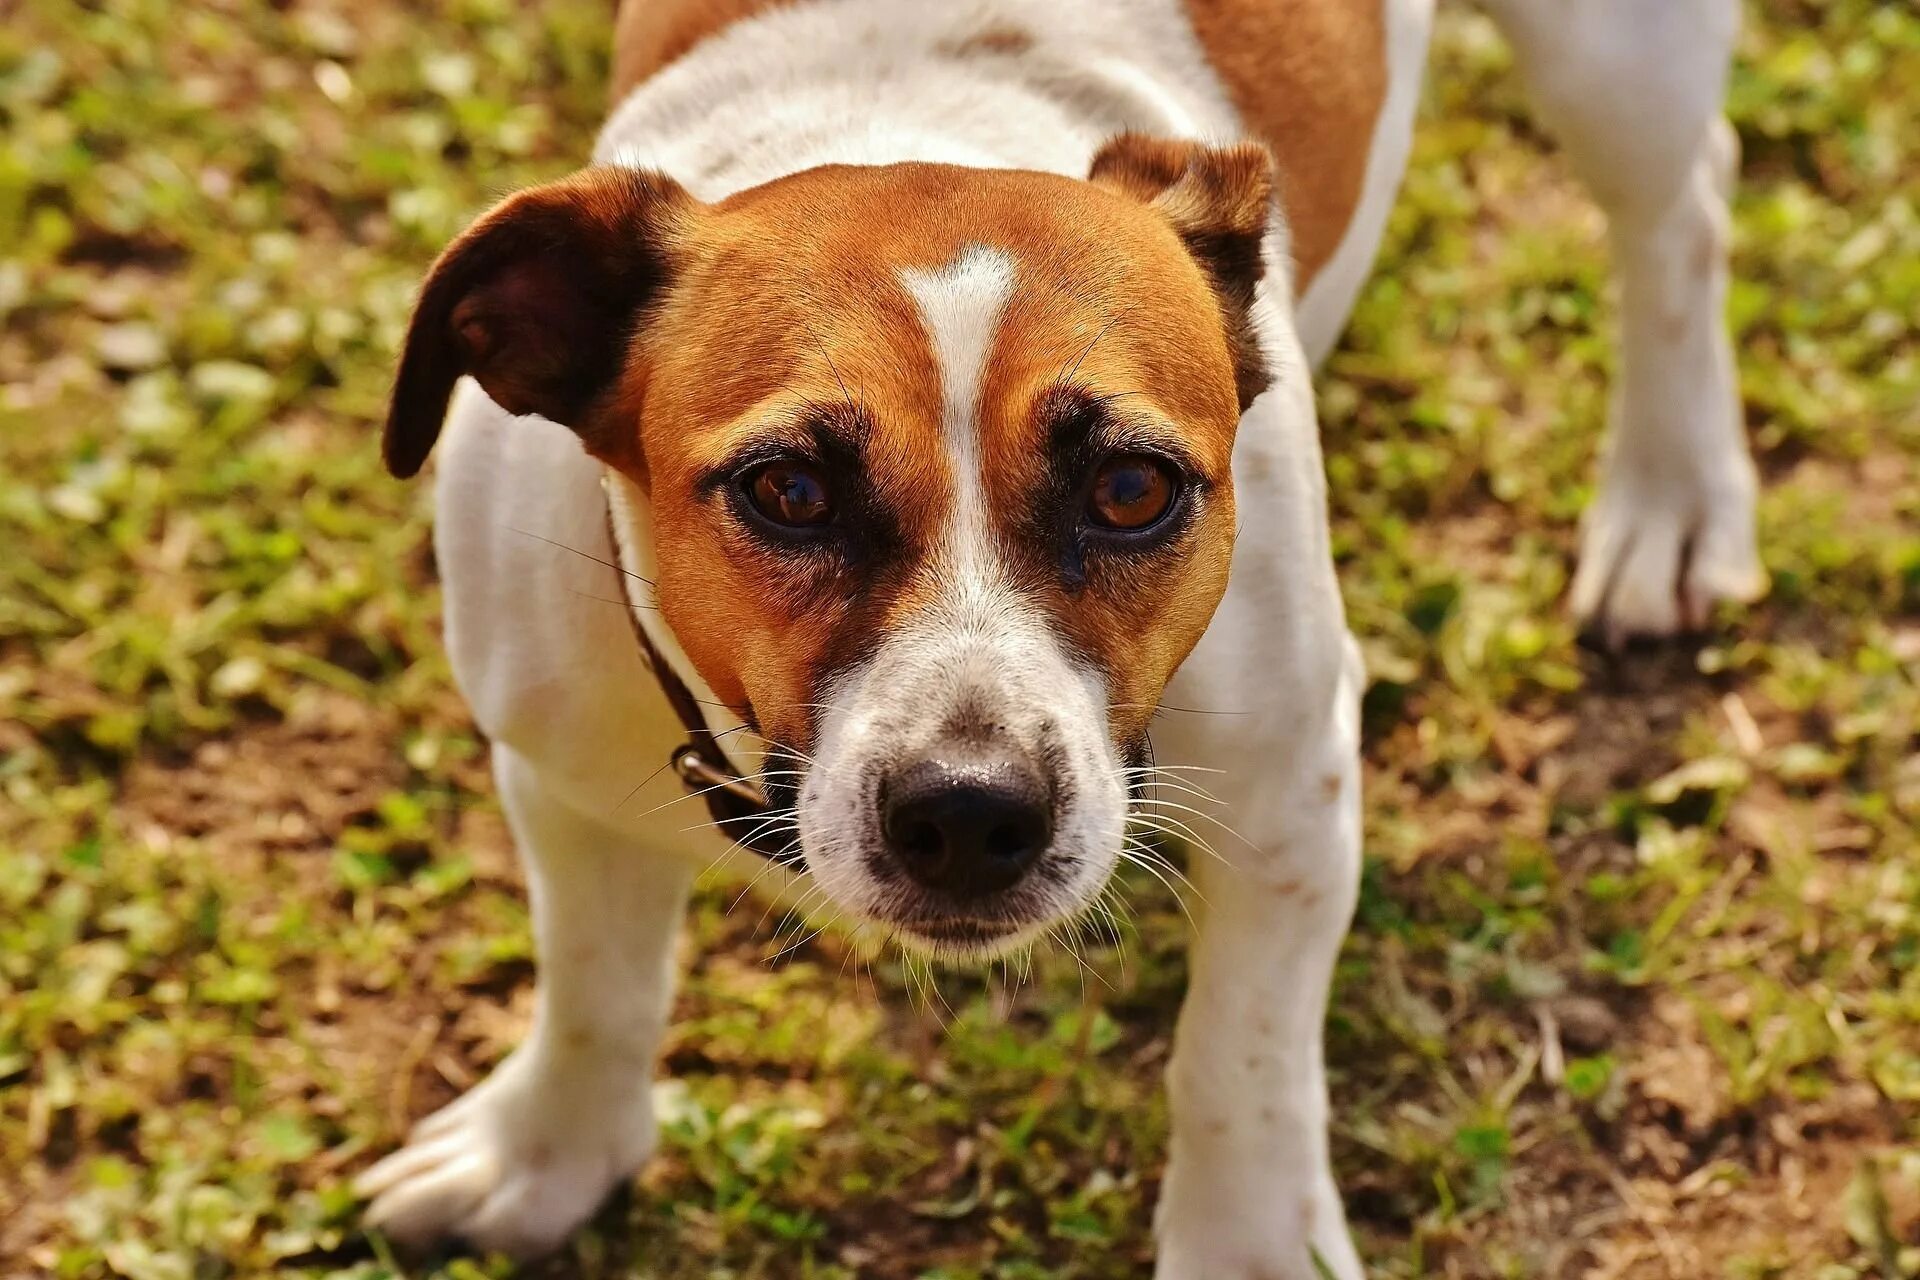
792,494
1131,492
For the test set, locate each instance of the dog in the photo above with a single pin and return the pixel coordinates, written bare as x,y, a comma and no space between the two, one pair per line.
933,380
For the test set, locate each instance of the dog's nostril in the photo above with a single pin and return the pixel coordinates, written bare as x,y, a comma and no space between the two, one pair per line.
968,826
1012,840
923,840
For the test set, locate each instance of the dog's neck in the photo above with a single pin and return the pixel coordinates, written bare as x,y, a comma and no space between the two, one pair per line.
877,82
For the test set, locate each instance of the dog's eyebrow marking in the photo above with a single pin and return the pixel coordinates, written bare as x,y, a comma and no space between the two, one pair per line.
960,305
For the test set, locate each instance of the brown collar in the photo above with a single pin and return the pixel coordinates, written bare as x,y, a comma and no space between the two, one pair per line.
739,808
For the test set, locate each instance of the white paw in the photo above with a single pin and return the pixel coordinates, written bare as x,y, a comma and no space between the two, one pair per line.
1217,1258
514,1165
1207,1229
1658,552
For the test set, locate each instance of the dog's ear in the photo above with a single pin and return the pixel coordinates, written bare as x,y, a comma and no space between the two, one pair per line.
1218,200
539,300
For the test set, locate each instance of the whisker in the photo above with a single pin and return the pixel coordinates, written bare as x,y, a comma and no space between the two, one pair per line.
1067,376
933,984
1146,794
1162,809
585,555
643,782
1086,970
624,604
1166,824
777,745
828,356
1167,706
1183,833
718,786
796,904
788,950
759,875
1183,787
799,908
767,825
1102,906
768,829
1139,856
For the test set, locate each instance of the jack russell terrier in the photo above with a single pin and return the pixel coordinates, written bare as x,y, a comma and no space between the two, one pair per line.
935,379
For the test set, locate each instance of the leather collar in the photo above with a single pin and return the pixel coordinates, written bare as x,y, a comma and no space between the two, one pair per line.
739,807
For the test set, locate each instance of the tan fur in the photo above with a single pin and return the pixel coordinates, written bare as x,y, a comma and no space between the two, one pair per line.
1308,78
760,317
784,303
1218,200
783,298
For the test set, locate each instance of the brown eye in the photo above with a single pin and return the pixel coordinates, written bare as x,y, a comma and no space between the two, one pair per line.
792,494
1131,493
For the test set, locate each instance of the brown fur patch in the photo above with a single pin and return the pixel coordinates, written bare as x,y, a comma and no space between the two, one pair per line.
534,300
1308,78
790,301
999,41
686,342
1218,199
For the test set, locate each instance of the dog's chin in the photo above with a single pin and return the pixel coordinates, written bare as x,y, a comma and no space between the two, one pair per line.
961,942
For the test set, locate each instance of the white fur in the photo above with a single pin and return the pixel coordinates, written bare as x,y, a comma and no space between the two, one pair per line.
1322,310
977,651
517,1163
961,305
554,678
1632,89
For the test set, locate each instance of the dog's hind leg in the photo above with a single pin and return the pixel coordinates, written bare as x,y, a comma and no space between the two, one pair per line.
524,1158
1632,90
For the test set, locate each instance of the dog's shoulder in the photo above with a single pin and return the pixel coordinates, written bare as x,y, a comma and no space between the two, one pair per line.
649,34
1308,78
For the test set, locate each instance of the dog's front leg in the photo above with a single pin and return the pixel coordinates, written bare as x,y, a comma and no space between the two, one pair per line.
524,1158
1249,1193
1259,755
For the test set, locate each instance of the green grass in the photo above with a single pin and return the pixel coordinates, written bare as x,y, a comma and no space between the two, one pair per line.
1635,984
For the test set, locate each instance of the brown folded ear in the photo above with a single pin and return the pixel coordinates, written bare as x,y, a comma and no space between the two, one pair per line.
539,300
1219,201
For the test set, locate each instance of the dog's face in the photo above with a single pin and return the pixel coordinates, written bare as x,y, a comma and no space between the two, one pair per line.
938,469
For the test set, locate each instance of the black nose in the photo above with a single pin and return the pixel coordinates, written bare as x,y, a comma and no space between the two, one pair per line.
968,825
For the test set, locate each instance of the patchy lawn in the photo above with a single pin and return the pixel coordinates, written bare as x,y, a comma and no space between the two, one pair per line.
1635,985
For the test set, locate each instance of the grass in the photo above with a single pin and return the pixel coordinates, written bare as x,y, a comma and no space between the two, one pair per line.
1635,984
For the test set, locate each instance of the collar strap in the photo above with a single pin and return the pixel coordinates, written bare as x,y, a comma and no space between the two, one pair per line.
738,807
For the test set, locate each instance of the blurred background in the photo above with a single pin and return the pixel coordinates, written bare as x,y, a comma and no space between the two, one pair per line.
1635,985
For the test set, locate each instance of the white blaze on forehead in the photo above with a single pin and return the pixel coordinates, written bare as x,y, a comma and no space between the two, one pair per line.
979,654
960,305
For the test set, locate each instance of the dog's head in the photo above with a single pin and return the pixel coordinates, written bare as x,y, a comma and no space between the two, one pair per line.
937,463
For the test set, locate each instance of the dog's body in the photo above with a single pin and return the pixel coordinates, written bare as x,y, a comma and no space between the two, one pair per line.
729,96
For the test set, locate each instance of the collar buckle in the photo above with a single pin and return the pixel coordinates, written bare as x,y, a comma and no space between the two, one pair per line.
697,771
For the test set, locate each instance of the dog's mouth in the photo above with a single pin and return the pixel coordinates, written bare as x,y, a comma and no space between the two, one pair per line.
959,930
962,937
967,841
